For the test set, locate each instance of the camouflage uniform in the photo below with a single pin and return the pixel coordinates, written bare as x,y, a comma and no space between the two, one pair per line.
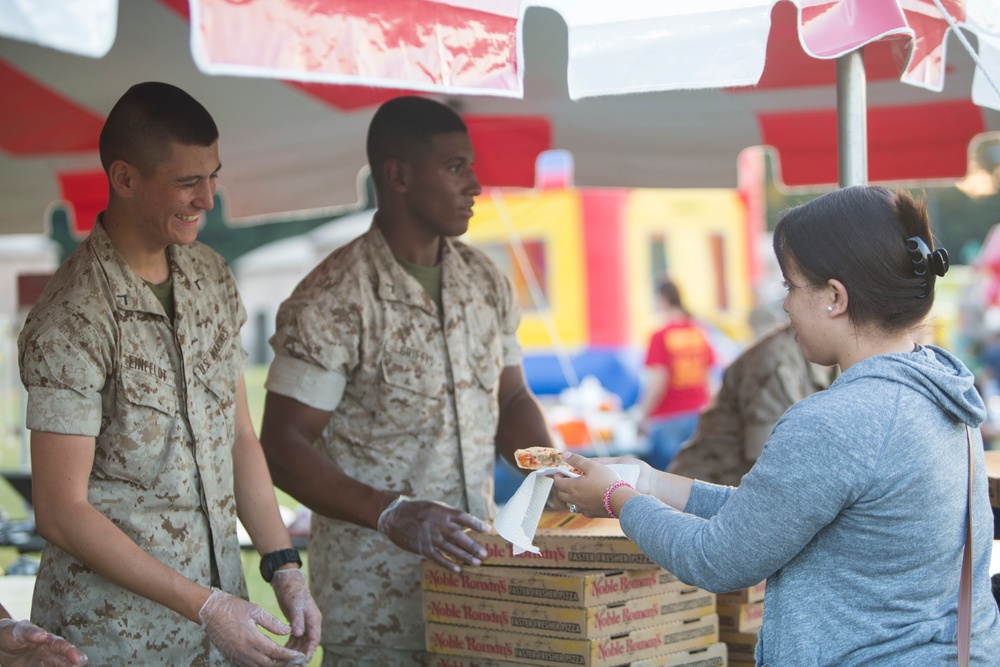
756,390
100,358
418,415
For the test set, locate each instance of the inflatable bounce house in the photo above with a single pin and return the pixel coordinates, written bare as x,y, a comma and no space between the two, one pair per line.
586,263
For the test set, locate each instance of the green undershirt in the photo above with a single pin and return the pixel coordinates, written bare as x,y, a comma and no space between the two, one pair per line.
428,276
164,293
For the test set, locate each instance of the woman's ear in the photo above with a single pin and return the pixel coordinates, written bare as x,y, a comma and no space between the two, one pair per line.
838,297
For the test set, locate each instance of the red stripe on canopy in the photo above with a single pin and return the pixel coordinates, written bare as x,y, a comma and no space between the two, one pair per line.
507,146
86,195
35,120
905,143
181,7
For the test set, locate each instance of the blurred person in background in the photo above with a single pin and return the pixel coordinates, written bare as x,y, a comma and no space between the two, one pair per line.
989,375
677,382
765,380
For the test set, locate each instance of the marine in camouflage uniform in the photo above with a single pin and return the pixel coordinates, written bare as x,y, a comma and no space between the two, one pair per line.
100,358
767,379
142,445
359,315
397,374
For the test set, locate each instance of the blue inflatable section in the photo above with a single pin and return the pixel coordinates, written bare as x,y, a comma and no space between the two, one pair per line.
617,368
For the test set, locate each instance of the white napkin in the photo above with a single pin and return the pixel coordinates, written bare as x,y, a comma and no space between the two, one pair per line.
517,520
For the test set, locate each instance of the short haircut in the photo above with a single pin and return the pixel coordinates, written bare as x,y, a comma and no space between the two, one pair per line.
403,126
858,235
147,119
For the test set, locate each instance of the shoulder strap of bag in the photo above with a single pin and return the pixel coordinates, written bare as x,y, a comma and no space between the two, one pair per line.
965,586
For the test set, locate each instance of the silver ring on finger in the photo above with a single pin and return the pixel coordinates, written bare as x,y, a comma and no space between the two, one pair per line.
572,509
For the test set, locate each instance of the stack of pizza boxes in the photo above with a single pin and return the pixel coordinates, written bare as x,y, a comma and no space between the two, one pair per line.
589,598
740,615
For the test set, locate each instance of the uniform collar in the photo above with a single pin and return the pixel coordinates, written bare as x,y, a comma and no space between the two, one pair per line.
395,284
130,290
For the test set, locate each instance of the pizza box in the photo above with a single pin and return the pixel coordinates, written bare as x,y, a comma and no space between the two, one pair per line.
713,655
560,588
743,596
454,640
993,473
579,623
569,540
745,617
740,645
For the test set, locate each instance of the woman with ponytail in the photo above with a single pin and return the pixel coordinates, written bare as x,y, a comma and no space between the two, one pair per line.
856,512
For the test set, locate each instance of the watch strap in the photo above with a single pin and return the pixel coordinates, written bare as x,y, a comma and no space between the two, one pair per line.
270,562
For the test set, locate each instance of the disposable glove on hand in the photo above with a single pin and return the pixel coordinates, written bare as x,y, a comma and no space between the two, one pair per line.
296,602
24,644
433,530
231,625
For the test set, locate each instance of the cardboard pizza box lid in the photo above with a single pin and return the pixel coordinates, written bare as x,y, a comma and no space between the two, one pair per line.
569,541
746,617
713,655
556,587
568,622
744,595
454,640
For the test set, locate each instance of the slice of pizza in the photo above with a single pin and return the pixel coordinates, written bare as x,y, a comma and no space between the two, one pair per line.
536,458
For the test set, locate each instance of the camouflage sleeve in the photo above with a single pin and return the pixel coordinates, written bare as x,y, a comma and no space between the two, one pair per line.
315,350
64,365
239,315
763,408
510,319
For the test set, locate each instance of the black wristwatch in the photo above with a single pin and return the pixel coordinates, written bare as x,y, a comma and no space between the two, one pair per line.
269,563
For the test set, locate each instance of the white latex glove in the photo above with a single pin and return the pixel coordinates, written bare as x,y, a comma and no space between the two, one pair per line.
433,530
24,644
231,625
292,593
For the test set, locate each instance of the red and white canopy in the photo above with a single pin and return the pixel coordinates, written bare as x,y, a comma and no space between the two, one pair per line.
716,76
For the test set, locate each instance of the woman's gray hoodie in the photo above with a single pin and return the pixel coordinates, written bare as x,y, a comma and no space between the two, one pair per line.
855,514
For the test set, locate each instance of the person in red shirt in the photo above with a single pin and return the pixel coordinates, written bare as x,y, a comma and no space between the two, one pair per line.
678,379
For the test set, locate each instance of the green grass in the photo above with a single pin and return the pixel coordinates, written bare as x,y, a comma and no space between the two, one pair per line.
11,502
10,447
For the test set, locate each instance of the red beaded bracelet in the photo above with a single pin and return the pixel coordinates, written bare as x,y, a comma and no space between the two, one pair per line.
611,489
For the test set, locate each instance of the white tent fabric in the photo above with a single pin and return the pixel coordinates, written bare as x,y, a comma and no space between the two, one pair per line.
618,47
285,149
84,28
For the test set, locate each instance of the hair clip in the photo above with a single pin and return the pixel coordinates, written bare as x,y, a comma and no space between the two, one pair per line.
924,260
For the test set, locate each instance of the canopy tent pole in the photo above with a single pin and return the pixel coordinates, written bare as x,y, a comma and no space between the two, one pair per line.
852,123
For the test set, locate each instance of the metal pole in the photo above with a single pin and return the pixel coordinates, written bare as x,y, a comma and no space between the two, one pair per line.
852,124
